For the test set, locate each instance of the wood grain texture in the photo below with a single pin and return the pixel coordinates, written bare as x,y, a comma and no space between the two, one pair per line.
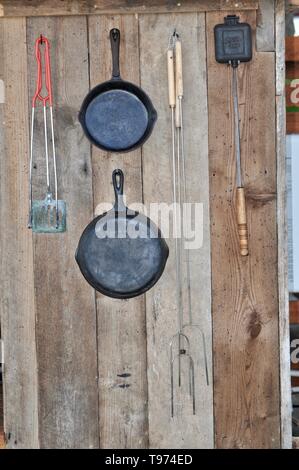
244,290
121,323
265,36
280,59
17,291
65,304
184,430
282,235
88,7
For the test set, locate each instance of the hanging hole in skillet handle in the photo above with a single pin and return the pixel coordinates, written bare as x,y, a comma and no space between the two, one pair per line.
118,182
115,42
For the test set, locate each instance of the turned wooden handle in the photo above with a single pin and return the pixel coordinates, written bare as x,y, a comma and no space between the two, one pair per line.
242,222
171,83
178,68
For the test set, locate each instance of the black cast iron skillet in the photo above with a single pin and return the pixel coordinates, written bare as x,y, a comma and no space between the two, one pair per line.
117,116
121,253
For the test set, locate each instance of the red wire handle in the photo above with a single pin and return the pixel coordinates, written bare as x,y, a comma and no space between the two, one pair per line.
48,83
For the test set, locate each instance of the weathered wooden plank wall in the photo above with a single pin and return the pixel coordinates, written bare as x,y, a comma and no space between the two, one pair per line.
265,31
17,285
282,235
99,375
185,430
65,308
121,324
12,8
248,312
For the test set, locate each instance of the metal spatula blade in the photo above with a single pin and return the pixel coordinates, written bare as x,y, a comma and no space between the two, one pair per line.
45,218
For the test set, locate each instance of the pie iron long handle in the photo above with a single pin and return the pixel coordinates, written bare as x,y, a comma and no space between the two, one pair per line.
242,222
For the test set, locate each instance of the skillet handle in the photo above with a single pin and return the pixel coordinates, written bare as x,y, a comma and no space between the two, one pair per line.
118,185
115,41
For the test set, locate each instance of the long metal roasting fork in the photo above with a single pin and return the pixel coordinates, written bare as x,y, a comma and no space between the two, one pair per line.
182,166
44,99
176,198
181,153
175,87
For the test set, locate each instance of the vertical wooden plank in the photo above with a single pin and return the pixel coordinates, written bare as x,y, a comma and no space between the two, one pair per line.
66,314
265,28
184,430
121,324
245,297
17,292
284,327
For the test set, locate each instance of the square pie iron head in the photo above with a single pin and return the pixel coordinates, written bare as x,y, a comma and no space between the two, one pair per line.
233,41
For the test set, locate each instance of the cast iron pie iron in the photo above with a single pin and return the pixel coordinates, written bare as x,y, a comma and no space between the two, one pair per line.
117,116
121,253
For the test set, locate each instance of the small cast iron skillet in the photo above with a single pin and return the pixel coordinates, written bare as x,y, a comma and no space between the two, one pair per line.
121,253
117,116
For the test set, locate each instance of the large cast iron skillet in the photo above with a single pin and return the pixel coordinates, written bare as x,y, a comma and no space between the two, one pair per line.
121,253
